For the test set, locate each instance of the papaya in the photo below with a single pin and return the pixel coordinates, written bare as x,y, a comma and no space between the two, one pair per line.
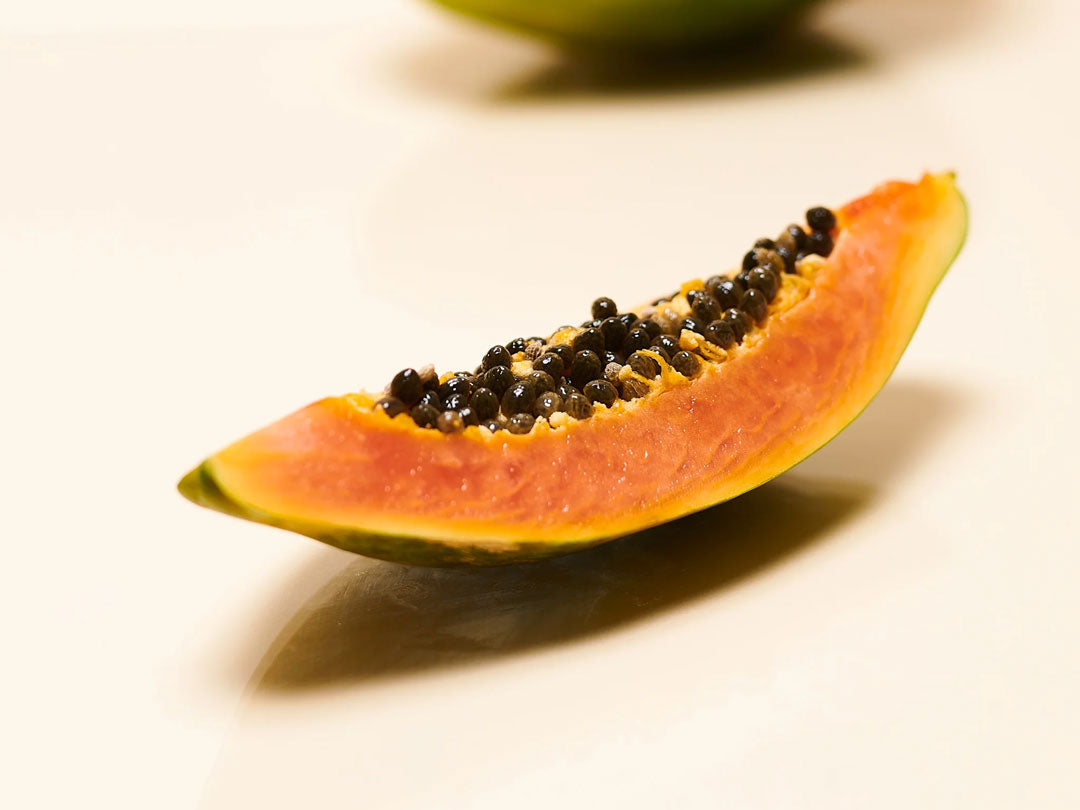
651,25
628,420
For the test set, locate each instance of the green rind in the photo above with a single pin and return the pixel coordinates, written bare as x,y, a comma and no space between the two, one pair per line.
650,25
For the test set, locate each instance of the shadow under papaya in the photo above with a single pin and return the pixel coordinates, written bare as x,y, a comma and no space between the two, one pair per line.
373,619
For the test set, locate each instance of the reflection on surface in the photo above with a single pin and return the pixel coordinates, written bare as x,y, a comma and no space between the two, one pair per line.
377,619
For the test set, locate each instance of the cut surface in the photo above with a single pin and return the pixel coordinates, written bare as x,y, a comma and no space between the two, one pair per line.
351,476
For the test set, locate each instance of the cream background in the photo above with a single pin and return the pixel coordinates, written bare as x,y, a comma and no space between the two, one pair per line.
213,212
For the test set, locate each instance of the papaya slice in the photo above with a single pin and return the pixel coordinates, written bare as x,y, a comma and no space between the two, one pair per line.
698,418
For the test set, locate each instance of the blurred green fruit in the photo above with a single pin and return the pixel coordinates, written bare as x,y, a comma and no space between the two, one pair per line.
648,24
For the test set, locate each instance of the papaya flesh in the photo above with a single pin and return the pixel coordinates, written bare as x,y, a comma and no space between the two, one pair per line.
658,25
345,472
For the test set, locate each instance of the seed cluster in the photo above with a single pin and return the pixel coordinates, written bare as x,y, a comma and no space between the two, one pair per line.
574,379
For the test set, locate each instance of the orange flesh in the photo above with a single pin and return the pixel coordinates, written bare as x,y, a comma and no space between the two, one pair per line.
340,472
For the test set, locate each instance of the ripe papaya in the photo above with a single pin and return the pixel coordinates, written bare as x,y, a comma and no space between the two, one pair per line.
626,421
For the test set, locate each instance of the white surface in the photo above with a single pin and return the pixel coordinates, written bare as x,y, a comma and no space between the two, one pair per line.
212,213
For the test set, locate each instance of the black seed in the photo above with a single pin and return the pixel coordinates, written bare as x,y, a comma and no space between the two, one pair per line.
610,357
516,345
742,281
650,326
632,388
725,292
820,243
547,404
431,398
764,282
798,236
693,295
614,332
628,319
789,259
667,345
749,260
541,381
494,425
456,385
687,364
564,352
720,333
820,218
586,366
601,391
611,371
519,398
550,363
768,244
636,339
520,423
391,406
455,402
469,416
577,406
692,324
450,422
739,322
496,356
588,340
754,304
707,308
484,402
424,415
498,380
407,386
564,389
604,308
644,365
589,324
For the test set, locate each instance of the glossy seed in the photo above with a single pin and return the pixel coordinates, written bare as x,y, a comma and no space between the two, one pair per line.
601,391
455,402
431,398
632,388
498,380
496,356
450,422
754,304
692,324
586,366
614,332
820,218
547,403
820,243
469,416
577,406
720,333
485,403
455,385
768,244
651,327
424,415
770,259
519,398
629,319
516,345
407,386
494,425
610,357
391,406
742,281
739,322
588,340
764,282
637,339
644,365
798,236
789,259
687,364
666,345
541,381
725,292
551,364
520,423
565,353
706,308
749,260
604,308
564,389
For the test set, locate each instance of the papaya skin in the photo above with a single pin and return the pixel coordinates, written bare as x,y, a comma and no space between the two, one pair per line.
630,25
357,479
